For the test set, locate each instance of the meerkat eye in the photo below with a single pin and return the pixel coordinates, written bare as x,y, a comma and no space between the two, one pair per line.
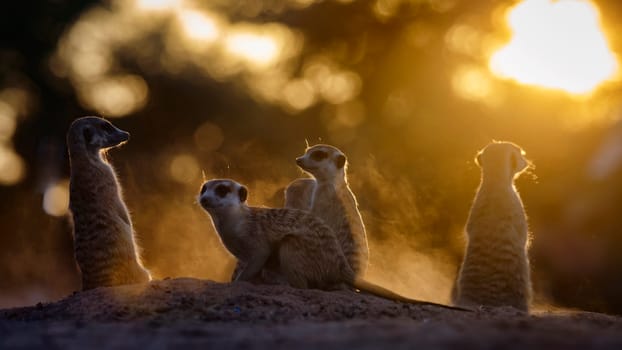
340,161
222,190
318,155
88,135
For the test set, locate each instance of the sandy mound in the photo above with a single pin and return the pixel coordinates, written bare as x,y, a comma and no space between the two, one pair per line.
190,312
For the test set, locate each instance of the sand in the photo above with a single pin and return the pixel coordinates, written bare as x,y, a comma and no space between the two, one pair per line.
186,313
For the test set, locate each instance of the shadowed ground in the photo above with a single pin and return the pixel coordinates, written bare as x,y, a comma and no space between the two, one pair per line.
193,313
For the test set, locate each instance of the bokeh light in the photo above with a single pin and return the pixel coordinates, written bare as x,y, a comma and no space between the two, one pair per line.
8,121
208,137
555,44
199,26
12,167
14,102
255,48
184,168
299,94
116,96
472,83
56,198
157,5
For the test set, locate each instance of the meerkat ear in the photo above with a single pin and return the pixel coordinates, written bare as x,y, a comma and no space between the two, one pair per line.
88,135
243,194
340,161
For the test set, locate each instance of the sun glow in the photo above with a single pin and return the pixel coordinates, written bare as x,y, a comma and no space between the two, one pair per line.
256,48
199,26
555,44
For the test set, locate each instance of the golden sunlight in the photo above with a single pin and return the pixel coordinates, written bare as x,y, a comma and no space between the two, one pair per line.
56,198
557,45
116,96
184,168
8,122
12,167
257,49
157,5
198,26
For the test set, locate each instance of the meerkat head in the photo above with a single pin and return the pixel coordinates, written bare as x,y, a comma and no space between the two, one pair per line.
503,159
323,162
95,134
222,193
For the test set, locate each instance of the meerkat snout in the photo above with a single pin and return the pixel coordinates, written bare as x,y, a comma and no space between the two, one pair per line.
95,134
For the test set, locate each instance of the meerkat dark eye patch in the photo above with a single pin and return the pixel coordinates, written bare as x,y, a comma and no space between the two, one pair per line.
107,127
243,194
222,190
340,161
318,155
88,135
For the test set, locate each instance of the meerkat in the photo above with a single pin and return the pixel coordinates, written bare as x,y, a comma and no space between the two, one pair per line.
333,201
104,243
299,194
495,269
307,251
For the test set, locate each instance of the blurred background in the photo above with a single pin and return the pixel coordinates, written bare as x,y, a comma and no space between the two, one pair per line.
410,90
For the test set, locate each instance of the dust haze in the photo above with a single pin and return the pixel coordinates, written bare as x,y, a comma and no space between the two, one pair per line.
405,255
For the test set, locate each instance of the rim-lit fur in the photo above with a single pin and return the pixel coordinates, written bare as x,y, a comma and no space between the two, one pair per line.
104,243
495,270
333,201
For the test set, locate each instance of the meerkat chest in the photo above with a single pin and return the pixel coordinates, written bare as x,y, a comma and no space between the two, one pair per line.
327,203
236,236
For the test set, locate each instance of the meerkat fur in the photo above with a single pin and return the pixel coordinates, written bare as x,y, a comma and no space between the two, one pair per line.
495,270
299,194
307,251
333,201
104,243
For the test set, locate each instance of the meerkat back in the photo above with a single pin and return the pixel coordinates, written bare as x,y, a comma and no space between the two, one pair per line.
105,249
495,270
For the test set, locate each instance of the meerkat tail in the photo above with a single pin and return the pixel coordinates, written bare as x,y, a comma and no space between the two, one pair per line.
382,292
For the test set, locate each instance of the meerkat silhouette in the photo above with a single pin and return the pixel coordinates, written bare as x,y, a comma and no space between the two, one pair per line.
307,252
104,243
495,269
329,197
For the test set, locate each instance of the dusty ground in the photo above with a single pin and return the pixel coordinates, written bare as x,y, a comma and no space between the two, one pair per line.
191,313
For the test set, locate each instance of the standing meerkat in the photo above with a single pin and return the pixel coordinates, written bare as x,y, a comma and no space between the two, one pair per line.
307,252
105,248
332,201
495,269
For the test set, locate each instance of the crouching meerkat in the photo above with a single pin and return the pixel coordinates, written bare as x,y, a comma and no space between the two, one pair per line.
307,251
104,244
333,201
495,270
